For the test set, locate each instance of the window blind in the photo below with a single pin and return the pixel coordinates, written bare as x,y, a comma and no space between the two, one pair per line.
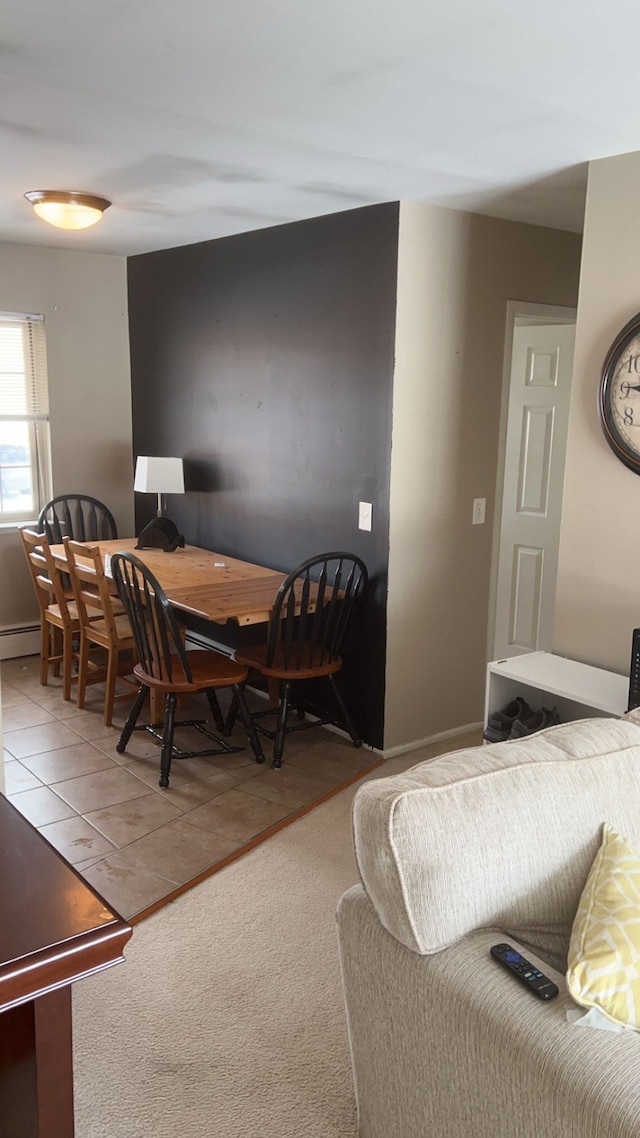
23,368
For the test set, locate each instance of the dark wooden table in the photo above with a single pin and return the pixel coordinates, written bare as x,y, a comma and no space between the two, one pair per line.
54,929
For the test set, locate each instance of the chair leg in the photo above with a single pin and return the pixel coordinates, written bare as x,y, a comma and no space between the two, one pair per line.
110,686
56,648
83,667
132,719
215,709
156,705
167,739
348,722
247,722
232,713
67,660
281,729
45,651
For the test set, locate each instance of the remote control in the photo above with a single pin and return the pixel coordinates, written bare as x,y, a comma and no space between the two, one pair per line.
523,970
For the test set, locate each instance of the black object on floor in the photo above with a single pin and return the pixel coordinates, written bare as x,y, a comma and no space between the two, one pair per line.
500,723
545,717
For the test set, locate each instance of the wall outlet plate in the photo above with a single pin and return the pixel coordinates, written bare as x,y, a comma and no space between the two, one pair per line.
364,515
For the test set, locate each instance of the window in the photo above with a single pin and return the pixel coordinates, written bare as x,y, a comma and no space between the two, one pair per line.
24,418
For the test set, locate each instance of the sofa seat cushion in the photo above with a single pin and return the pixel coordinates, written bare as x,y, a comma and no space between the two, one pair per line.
501,835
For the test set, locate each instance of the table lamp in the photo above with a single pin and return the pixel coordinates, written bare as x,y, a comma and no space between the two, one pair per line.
159,476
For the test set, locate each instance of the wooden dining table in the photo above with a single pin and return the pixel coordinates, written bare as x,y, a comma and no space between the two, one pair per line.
209,585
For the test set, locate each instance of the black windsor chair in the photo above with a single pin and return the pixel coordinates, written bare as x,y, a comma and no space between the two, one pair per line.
76,516
312,613
165,665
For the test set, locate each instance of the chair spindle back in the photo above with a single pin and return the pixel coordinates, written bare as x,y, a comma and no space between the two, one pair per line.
313,609
77,516
153,622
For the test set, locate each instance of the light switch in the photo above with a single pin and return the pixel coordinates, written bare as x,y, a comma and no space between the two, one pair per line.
479,510
364,515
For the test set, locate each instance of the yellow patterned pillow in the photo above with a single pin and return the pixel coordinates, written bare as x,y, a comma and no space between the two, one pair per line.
604,950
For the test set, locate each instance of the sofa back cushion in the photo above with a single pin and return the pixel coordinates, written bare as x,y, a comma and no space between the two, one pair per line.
500,835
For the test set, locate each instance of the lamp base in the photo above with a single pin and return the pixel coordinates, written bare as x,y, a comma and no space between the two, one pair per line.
161,533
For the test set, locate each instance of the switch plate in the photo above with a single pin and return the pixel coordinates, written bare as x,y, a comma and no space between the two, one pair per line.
479,511
364,515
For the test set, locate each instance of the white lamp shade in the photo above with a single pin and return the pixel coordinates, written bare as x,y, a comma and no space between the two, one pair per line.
159,475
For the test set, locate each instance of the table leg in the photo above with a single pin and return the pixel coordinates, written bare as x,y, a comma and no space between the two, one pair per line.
36,1068
156,705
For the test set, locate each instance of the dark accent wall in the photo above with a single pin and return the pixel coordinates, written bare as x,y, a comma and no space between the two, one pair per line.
266,361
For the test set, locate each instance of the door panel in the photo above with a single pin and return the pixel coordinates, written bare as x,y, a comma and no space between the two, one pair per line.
525,598
535,458
537,420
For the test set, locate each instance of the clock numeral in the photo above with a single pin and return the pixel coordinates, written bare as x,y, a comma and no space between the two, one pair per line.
626,388
628,417
633,364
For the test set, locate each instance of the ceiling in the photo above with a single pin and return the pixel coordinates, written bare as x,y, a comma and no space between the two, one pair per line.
204,118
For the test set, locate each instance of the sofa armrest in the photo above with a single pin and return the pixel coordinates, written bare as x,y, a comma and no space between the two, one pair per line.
451,1046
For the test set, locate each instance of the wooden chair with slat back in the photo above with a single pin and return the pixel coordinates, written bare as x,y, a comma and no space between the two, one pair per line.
103,625
77,516
59,618
313,610
166,666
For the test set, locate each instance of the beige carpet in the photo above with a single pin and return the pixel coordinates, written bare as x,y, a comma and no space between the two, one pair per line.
227,1018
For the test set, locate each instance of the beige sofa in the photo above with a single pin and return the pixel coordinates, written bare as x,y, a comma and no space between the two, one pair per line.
484,845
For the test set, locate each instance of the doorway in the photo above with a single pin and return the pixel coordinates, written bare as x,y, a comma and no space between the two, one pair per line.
534,420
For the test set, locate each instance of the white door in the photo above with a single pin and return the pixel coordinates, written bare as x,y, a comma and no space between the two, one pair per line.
534,454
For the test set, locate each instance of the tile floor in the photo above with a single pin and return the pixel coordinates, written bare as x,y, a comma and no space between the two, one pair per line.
133,842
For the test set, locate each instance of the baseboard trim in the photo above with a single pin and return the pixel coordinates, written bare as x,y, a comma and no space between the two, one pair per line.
21,641
403,748
440,737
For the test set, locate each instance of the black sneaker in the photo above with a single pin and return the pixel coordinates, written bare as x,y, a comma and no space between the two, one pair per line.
500,723
545,717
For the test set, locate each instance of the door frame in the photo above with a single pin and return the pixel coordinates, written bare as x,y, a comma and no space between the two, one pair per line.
535,314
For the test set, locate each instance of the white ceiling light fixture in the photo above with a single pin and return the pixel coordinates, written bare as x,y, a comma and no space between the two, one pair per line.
67,209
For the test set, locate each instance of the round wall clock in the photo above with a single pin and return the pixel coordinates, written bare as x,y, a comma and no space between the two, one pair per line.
619,398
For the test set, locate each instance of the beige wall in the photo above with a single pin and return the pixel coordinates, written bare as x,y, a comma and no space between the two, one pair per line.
598,595
83,298
456,272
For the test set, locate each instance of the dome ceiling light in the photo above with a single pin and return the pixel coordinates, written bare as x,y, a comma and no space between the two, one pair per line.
67,209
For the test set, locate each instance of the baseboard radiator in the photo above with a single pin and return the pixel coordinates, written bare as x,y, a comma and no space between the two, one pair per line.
24,640
19,640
